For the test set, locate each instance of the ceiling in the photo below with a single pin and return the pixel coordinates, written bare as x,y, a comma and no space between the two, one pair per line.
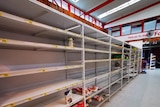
87,5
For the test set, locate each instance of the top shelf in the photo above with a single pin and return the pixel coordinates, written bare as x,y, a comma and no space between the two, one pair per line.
13,22
38,29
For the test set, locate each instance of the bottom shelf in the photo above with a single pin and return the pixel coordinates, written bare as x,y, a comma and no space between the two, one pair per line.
61,102
115,88
96,103
125,81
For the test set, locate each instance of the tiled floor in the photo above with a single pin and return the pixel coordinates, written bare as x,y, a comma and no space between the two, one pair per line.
143,91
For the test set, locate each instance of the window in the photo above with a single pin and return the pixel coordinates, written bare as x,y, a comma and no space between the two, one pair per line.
87,17
90,19
72,9
77,12
116,31
58,2
149,25
82,15
136,27
158,23
64,5
126,29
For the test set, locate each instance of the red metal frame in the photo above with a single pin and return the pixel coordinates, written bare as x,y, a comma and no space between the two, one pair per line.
156,3
99,6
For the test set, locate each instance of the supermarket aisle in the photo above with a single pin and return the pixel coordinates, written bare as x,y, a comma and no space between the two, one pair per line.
143,91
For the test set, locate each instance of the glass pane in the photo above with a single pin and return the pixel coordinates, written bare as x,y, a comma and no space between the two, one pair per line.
126,30
90,19
72,9
58,2
116,33
64,5
50,0
149,25
86,17
136,29
158,26
82,15
77,12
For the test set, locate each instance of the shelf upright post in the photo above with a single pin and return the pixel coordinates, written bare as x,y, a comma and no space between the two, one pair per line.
66,59
122,64
110,46
83,64
138,61
95,66
140,57
130,61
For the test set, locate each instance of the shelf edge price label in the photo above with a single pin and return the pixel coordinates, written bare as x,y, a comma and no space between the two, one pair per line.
58,89
29,21
44,94
29,99
12,105
5,75
4,41
56,46
43,70
0,13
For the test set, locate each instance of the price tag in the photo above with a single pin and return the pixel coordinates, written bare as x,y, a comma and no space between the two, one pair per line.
58,89
0,13
44,94
4,40
56,29
29,99
12,105
56,46
43,70
5,75
66,67
29,21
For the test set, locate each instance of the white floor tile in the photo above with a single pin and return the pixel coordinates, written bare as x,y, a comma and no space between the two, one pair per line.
143,91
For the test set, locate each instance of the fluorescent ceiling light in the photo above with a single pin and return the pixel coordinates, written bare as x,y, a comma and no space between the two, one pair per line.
118,8
75,1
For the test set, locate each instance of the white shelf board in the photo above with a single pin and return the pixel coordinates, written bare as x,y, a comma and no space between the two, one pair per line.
100,60
40,46
116,52
22,96
36,70
32,26
117,59
97,77
96,51
61,102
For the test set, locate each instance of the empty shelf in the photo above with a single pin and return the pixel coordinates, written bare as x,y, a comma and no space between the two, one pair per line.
36,70
39,46
32,26
61,102
96,51
21,96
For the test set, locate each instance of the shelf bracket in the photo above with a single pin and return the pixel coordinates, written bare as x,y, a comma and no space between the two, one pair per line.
74,27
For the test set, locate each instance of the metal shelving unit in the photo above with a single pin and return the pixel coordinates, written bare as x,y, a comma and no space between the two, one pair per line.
39,64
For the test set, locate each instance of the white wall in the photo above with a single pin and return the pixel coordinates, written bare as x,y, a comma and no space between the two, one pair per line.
150,12
138,44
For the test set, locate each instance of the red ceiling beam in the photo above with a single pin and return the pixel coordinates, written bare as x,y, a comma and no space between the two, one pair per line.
156,3
99,6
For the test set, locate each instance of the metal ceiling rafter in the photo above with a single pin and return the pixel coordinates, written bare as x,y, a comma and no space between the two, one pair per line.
99,6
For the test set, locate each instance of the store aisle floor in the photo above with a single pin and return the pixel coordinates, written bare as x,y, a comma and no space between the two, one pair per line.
143,91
